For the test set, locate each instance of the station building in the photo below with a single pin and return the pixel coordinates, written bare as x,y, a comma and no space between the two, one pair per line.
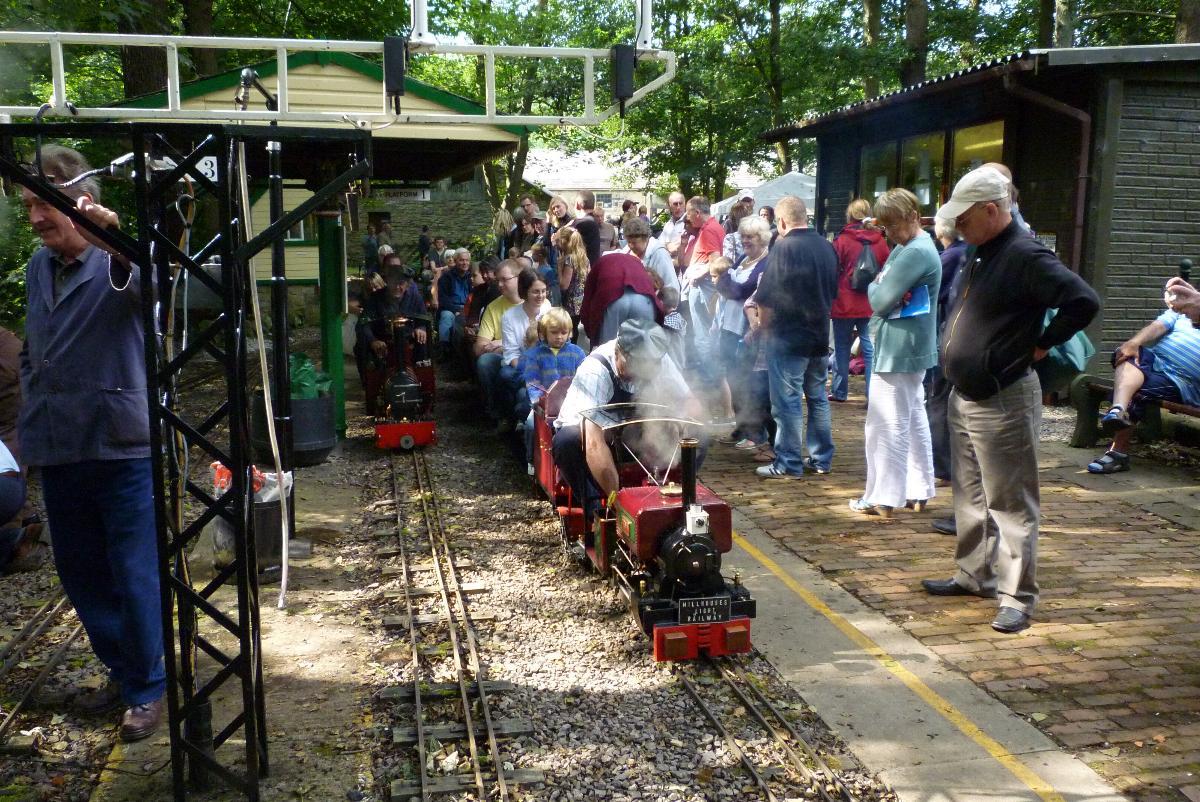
1104,145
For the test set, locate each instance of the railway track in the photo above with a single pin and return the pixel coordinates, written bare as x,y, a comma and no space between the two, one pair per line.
734,705
13,653
443,643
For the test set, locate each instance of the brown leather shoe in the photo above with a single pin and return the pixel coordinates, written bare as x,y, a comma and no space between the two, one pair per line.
104,699
141,721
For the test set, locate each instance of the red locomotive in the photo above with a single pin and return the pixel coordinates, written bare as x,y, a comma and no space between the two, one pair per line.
659,541
401,392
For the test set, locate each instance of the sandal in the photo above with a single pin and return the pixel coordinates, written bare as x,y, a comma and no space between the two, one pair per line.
765,455
1114,420
917,504
1111,462
866,508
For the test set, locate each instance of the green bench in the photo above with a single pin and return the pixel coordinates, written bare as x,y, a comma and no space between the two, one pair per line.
1089,392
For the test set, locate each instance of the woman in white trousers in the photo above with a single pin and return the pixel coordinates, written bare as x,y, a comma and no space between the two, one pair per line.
904,329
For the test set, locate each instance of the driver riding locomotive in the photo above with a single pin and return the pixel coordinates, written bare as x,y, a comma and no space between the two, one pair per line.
393,349
626,444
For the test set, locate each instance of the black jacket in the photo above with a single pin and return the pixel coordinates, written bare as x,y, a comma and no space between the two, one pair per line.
1001,297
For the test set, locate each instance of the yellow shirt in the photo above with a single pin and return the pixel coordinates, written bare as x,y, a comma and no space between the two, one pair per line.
489,322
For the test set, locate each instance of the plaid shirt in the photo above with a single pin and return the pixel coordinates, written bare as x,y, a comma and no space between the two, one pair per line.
543,367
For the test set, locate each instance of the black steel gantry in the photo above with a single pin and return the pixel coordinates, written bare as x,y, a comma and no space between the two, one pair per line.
163,155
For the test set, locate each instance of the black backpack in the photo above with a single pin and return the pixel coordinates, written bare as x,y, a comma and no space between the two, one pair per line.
865,269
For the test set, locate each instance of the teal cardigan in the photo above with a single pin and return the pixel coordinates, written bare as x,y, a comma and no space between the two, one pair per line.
905,345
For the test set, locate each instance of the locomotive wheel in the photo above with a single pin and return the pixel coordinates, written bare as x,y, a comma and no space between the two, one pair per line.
407,442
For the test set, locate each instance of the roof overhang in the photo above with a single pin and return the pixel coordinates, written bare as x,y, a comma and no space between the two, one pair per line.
1030,60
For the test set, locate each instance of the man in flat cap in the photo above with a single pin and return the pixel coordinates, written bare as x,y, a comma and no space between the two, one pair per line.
992,337
633,367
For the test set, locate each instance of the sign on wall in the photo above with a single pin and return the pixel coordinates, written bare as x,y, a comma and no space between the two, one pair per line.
402,194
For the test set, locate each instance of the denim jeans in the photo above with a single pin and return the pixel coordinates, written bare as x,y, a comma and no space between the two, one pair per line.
512,399
487,366
445,325
797,381
843,338
705,349
101,516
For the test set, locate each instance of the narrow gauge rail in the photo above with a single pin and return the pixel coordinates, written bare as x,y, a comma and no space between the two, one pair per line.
809,768
471,682
13,651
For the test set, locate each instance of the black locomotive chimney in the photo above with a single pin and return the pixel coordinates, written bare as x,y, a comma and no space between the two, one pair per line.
687,459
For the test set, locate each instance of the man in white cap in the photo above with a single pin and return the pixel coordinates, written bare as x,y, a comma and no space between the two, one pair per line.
992,337
633,367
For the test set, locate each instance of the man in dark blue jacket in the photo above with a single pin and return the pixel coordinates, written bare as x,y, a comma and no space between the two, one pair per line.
794,297
992,336
85,423
453,289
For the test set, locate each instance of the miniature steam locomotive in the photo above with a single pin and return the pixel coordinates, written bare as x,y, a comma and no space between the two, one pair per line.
658,541
402,391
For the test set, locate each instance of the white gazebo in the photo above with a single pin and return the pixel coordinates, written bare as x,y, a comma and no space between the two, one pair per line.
769,193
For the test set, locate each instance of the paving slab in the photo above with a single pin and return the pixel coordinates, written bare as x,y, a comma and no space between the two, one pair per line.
930,732
1107,672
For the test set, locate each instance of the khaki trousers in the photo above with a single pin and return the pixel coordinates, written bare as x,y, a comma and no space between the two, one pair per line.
993,454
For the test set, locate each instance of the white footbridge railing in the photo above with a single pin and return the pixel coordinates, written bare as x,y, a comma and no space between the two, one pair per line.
420,41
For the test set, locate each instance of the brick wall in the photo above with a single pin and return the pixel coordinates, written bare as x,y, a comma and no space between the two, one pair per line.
1156,203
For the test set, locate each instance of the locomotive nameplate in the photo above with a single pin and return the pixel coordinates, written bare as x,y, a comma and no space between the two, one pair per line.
704,610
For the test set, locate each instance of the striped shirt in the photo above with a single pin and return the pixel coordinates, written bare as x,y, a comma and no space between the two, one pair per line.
543,367
1177,355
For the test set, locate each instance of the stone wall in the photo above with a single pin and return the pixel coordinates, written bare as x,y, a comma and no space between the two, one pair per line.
460,212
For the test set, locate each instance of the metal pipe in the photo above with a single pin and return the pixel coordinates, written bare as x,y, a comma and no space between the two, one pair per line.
688,447
1085,150
420,24
645,32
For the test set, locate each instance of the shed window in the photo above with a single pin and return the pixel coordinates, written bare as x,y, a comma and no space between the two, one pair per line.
976,146
877,170
921,167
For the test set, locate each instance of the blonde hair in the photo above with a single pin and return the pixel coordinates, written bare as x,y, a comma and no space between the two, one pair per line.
896,204
556,319
859,209
717,262
566,210
502,223
570,245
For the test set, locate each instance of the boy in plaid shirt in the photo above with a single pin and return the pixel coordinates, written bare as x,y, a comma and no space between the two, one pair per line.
553,357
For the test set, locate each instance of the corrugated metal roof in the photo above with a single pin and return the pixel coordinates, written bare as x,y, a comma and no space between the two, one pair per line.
1055,57
795,129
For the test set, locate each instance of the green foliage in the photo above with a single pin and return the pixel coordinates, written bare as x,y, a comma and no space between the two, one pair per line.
19,244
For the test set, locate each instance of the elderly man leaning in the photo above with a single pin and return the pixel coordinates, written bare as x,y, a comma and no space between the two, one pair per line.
85,424
795,295
633,367
992,337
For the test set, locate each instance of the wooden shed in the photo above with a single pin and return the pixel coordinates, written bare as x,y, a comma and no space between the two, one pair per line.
1104,145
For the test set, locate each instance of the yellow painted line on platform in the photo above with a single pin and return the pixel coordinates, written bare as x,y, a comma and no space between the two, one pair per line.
948,711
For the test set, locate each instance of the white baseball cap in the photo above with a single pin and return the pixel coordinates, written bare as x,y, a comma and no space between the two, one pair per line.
981,184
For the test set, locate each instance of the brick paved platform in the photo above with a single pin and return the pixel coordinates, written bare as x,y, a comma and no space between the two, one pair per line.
1111,667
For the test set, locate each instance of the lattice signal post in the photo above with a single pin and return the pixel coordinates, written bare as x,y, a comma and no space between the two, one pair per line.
195,749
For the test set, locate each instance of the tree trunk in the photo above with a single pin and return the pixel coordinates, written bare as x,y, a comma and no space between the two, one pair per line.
916,42
144,69
1187,23
871,13
1045,36
1064,23
775,89
198,21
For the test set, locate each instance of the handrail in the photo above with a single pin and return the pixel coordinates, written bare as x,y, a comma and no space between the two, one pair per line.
60,105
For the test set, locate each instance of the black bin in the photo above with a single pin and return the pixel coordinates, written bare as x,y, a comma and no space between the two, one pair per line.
314,433
268,537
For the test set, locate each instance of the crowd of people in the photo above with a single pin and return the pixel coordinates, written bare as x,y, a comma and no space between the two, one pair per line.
728,323
754,324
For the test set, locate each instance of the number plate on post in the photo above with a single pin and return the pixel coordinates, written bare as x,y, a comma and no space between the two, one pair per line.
706,610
